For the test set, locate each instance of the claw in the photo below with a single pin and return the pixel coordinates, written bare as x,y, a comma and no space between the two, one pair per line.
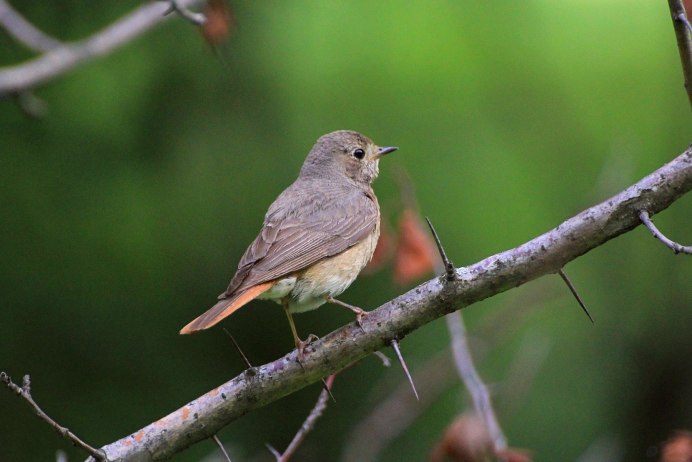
302,344
360,314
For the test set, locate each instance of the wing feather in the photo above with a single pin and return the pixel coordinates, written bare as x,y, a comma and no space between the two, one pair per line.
301,232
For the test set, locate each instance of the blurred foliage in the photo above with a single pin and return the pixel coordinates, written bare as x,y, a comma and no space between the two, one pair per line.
125,210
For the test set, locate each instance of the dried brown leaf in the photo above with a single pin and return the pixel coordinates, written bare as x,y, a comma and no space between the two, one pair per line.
415,252
465,440
219,24
678,448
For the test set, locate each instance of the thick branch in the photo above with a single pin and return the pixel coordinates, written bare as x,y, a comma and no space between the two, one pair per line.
546,254
64,58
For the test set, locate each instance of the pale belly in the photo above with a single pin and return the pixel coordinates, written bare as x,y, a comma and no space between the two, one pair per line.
329,277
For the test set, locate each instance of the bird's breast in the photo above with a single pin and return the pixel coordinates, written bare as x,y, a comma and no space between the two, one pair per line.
331,276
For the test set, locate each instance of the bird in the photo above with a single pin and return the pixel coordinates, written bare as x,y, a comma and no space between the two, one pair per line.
316,237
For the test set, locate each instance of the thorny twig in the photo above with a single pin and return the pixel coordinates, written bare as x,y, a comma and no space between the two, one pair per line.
25,392
543,255
674,246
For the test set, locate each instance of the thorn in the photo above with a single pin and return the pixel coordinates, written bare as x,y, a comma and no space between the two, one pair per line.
218,441
385,360
572,289
450,273
326,388
237,347
395,346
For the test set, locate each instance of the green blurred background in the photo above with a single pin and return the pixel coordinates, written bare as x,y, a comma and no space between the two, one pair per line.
126,209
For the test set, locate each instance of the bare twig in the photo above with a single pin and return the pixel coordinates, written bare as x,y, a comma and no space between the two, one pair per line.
473,382
25,32
174,6
573,289
66,57
220,445
385,360
464,360
31,105
682,33
395,346
25,392
450,272
674,246
309,423
545,254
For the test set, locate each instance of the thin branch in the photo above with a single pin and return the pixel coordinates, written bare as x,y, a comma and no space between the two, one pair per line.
30,104
473,382
546,254
385,360
174,6
573,289
25,32
674,246
395,346
66,57
273,450
25,392
394,412
309,423
220,445
682,34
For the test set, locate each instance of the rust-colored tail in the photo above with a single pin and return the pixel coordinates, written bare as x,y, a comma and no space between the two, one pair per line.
224,308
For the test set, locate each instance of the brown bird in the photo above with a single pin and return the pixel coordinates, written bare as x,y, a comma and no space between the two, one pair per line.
316,237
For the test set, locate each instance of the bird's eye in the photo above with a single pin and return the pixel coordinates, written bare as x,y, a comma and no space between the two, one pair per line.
359,153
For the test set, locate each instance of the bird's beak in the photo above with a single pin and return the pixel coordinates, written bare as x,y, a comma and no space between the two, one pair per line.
385,150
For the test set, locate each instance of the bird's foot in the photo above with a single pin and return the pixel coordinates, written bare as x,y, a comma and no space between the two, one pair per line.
302,344
360,313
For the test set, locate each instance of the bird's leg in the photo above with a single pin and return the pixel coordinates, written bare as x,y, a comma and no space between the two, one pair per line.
360,313
300,344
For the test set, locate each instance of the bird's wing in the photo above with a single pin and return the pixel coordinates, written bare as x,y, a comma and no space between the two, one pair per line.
290,242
